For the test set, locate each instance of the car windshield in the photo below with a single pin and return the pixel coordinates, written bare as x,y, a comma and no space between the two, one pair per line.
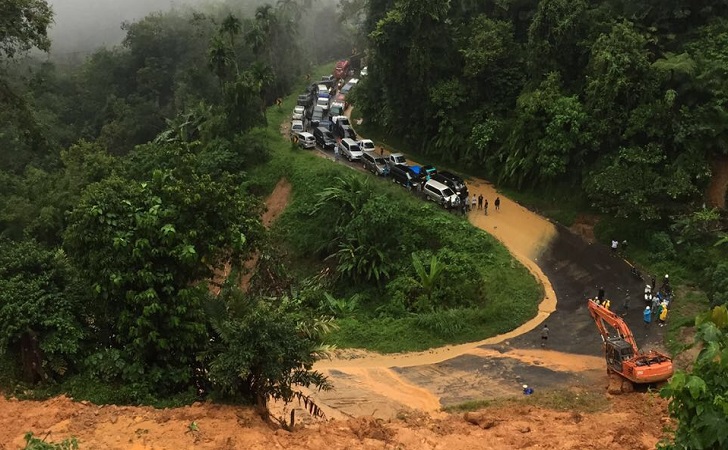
399,159
447,192
380,161
328,135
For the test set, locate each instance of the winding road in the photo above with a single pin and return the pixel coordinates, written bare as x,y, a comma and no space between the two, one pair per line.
570,269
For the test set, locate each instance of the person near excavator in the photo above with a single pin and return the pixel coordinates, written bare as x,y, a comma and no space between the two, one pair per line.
663,314
647,316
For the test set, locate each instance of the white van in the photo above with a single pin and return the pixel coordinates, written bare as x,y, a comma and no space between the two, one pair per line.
350,149
306,140
323,102
296,126
440,193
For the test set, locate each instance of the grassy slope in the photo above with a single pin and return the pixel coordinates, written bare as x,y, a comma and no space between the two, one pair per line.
512,292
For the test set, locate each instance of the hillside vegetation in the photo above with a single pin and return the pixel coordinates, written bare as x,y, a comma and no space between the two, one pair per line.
133,185
136,186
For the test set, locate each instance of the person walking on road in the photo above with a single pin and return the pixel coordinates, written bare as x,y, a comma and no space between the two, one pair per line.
381,150
647,316
473,202
497,203
625,305
336,153
544,335
615,245
480,201
485,206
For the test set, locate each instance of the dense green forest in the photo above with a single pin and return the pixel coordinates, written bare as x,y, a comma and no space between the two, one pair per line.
134,180
619,103
131,178
123,191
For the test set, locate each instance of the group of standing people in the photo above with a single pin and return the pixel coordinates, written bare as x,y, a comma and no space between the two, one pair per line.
657,303
468,203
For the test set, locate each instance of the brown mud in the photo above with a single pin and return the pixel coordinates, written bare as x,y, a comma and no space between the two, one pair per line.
628,422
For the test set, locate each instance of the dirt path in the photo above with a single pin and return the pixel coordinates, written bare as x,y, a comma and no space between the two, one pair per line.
274,206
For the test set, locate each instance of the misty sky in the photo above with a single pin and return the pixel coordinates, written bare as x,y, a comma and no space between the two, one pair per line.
84,25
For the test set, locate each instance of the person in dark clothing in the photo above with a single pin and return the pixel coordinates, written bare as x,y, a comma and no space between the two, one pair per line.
497,203
485,206
600,295
544,335
480,201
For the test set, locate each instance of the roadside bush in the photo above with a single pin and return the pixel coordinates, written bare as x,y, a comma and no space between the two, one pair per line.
42,310
661,247
445,322
263,348
716,281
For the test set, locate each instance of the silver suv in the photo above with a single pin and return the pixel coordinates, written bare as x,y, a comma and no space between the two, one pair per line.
441,194
350,149
375,164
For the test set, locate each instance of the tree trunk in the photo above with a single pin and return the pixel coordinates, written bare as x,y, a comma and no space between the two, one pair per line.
262,407
716,192
31,357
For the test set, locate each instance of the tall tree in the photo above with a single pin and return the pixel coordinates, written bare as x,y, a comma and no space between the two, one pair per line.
147,247
24,25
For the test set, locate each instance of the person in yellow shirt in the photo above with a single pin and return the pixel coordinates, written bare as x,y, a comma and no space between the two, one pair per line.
663,314
607,303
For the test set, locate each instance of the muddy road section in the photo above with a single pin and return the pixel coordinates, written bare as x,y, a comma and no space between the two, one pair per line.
571,270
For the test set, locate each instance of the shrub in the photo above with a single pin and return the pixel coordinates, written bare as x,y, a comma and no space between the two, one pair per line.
661,246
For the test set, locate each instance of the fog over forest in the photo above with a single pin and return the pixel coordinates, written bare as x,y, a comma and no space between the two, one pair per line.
82,26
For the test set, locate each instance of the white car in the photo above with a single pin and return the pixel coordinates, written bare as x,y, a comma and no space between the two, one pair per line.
296,126
353,81
297,113
367,145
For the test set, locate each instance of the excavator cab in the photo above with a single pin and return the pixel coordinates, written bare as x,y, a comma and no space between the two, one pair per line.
617,351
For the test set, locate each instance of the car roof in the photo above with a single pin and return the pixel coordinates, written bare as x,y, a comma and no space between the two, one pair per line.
437,184
305,134
350,141
297,122
366,140
298,107
451,175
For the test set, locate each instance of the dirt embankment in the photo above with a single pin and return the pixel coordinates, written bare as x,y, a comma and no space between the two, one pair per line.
625,425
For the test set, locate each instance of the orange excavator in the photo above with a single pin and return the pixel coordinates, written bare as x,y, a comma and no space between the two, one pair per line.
623,356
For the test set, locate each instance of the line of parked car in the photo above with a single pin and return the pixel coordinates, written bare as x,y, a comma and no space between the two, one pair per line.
318,119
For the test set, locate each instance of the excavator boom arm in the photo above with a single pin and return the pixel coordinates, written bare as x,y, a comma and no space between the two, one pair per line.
603,317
